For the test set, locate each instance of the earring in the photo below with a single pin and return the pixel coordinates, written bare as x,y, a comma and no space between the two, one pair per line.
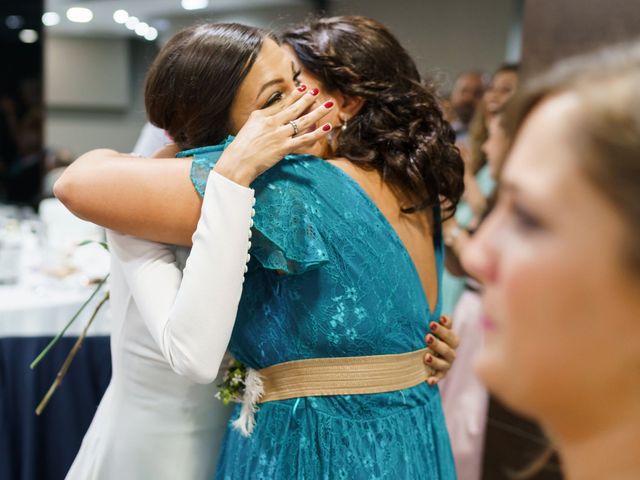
344,125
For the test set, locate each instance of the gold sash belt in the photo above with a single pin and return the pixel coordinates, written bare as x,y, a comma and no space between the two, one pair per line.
343,375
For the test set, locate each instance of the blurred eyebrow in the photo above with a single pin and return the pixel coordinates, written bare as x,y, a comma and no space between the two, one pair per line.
275,81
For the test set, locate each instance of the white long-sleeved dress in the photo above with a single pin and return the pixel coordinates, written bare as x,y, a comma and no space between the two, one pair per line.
158,418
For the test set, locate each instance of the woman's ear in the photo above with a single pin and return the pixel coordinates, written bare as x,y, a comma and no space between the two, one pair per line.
350,106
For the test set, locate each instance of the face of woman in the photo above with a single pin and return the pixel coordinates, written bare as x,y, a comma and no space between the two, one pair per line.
495,146
502,88
272,77
556,286
320,148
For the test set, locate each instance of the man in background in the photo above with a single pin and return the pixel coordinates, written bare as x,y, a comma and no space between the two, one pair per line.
467,92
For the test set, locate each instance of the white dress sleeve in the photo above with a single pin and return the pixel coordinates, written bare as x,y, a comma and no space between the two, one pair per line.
191,313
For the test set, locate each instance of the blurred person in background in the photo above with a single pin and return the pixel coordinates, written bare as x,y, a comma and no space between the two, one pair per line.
479,183
465,399
559,263
466,94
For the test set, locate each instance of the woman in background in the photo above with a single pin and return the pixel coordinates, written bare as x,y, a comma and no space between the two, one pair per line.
559,260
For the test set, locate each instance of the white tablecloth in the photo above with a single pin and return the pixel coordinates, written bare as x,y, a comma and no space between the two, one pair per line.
44,311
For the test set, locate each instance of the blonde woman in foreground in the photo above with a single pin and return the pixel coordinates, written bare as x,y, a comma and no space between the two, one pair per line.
559,258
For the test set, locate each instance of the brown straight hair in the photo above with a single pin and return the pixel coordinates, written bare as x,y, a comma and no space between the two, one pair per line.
192,82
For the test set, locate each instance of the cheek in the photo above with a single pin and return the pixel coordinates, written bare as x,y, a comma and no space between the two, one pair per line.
536,317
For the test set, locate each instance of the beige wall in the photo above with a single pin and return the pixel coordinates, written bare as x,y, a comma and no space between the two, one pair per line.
446,36
85,126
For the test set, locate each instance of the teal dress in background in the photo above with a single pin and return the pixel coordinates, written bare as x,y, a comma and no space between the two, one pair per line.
329,277
452,286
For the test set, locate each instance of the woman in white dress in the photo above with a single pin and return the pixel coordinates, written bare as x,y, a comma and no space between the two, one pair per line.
170,328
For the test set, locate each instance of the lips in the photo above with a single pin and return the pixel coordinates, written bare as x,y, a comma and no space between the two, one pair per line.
487,323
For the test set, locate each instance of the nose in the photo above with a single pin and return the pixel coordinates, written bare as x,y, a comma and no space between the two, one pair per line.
478,257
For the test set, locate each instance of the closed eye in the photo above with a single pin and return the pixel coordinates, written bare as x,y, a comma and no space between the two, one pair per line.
273,99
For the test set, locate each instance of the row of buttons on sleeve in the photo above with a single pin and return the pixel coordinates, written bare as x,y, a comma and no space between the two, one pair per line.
253,214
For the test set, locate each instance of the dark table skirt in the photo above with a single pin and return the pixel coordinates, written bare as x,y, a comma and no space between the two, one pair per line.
43,448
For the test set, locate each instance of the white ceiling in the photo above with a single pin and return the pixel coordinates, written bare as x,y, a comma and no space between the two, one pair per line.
158,13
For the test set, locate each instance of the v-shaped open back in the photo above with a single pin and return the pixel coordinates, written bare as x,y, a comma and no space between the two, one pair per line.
424,258
350,289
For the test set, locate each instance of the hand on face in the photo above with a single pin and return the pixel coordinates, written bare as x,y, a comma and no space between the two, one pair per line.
271,115
270,134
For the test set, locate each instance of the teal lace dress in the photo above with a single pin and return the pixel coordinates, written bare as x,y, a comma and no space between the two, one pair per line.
329,277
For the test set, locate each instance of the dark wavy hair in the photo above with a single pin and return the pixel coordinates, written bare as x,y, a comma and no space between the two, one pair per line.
192,82
400,130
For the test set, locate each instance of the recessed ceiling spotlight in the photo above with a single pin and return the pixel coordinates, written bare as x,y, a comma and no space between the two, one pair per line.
151,34
142,29
131,23
28,36
79,15
194,4
120,16
14,22
49,19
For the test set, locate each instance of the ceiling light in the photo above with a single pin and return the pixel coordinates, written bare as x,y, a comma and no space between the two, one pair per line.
14,22
28,36
50,19
194,4
79,15
141,29
120,16
151,34
131,23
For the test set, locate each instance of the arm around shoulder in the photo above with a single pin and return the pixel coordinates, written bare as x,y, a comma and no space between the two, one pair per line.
151,198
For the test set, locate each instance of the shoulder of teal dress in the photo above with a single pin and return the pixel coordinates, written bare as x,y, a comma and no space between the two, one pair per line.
286,231
204,159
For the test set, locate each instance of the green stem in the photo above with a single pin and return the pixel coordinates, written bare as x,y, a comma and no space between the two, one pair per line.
50,345
67,361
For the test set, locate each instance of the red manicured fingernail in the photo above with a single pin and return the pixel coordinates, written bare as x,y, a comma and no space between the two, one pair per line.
326,127
328,105
302,88
443,320
314,92
429,339
429,359
434,326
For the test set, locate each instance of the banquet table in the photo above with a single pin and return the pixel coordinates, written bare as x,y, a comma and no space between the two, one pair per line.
43,447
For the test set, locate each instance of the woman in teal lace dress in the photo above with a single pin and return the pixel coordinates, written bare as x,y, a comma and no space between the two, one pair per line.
330,277
345,262
345,292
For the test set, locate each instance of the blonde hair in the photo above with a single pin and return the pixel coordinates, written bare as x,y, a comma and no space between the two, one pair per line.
607,135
